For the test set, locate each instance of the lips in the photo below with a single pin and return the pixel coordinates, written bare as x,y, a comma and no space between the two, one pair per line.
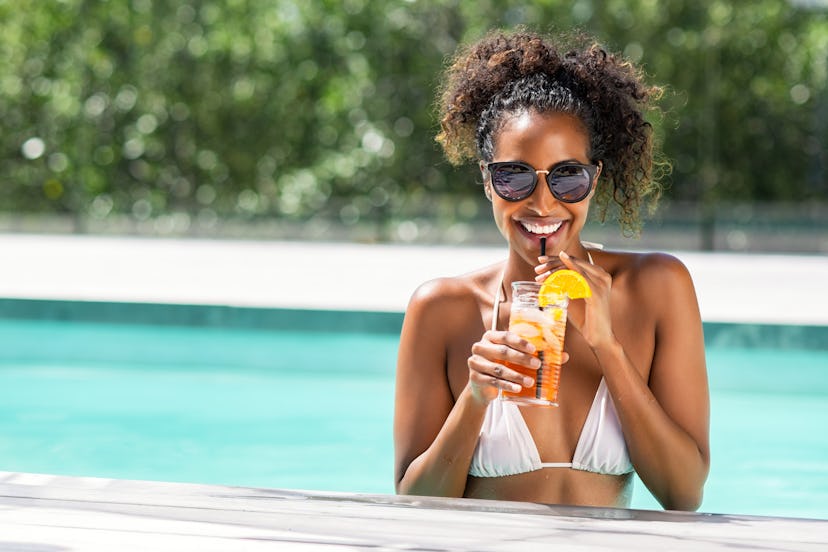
540,229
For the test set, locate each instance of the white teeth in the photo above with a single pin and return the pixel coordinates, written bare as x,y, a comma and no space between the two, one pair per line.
541,228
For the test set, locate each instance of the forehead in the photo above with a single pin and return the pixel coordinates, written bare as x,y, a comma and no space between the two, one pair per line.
527,135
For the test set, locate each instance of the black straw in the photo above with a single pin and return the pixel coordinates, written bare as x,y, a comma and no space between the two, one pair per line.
539,377
540,374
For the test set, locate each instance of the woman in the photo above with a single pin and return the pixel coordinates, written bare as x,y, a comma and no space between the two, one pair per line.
633,391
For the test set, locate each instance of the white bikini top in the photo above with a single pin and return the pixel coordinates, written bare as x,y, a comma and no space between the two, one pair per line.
506,447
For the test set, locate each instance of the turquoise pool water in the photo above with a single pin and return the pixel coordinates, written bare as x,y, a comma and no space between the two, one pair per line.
313,410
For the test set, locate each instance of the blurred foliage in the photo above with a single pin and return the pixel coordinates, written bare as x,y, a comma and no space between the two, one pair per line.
201,109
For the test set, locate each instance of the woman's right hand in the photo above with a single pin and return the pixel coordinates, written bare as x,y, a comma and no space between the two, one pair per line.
487,372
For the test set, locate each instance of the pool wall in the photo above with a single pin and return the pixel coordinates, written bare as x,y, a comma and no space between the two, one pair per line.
218,316
720,334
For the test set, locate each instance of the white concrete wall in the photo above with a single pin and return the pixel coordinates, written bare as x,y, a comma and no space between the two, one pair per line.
787,289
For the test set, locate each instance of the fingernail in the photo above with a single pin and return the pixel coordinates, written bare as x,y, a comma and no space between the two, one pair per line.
563,255
527,382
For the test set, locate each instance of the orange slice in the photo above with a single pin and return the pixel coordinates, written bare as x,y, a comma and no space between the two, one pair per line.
563,282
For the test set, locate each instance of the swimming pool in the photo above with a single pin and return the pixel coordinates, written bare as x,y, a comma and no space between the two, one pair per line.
313,410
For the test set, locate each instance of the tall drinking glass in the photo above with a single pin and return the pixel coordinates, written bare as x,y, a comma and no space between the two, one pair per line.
543,327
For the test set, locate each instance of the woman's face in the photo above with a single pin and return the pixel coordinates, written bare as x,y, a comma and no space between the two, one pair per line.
542,140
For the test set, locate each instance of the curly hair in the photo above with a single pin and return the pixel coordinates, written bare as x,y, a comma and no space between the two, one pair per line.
506,73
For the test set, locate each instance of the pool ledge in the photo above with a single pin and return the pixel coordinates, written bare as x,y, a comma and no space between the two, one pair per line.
732,288
47,512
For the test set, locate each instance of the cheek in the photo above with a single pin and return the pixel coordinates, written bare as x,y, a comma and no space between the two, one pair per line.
581,210
502,213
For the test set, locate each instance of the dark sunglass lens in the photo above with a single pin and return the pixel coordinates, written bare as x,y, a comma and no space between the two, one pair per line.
570,182
513,181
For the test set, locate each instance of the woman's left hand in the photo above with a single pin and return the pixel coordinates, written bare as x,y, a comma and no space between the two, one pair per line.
594,321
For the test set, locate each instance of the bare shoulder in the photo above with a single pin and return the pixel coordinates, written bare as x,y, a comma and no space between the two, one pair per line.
658,280
653,271
445,295
440,315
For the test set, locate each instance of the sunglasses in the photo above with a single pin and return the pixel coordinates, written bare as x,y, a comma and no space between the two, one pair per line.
568,182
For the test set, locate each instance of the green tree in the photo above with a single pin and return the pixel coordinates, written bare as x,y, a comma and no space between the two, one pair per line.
276,109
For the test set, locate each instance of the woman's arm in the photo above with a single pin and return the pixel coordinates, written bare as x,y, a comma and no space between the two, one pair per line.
669,444
434,436
665,418
434,439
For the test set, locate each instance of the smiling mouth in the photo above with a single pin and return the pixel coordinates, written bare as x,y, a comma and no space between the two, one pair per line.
540,229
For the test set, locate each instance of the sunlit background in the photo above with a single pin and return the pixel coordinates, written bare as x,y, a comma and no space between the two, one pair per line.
275,120
315,120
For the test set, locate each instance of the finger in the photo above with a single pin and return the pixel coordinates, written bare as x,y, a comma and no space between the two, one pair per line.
593,273
543,271
505,373
480,380
548,265
492,360
579,265
510,339
485,372
506,347
542,276
568,261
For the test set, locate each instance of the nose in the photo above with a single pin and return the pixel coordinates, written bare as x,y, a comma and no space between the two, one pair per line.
542,200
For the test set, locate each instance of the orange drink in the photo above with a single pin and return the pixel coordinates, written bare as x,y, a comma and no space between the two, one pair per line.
543,327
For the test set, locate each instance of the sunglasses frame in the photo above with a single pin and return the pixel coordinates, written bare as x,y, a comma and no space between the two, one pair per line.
592,170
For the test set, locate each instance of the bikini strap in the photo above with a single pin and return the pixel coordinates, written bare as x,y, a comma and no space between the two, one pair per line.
497,299
592,245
